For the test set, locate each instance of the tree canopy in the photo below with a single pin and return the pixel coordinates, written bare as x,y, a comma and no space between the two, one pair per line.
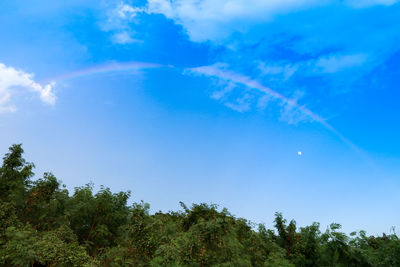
41,224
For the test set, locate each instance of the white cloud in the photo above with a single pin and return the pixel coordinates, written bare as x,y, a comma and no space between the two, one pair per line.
124,38
119,20
11,78
215,20
127,11
336,63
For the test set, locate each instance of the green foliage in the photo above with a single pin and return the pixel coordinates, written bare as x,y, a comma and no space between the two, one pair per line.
45,204
42,225
96,219
15,175
57,247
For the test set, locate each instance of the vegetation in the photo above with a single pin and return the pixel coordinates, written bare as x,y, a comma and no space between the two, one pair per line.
42,225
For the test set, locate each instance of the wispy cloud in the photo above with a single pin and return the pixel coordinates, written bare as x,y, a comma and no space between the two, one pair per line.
326,64
299,38
124,37
291,110
126,11
119,20
215,20
12,79
336,63
219,71
316,47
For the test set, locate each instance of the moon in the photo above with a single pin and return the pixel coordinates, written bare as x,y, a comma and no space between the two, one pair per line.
299,153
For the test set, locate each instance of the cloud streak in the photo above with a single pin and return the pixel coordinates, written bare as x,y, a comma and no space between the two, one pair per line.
12,79
216,71
290,105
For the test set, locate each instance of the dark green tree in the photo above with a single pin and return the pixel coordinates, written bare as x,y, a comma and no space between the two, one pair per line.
42,225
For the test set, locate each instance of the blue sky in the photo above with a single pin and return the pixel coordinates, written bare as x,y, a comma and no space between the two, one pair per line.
211,101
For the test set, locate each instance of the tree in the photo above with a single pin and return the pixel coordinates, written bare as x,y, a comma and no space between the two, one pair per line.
96,219
42,225
15,175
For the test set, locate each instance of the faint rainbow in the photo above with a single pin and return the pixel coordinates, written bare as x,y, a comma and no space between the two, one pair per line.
106,68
